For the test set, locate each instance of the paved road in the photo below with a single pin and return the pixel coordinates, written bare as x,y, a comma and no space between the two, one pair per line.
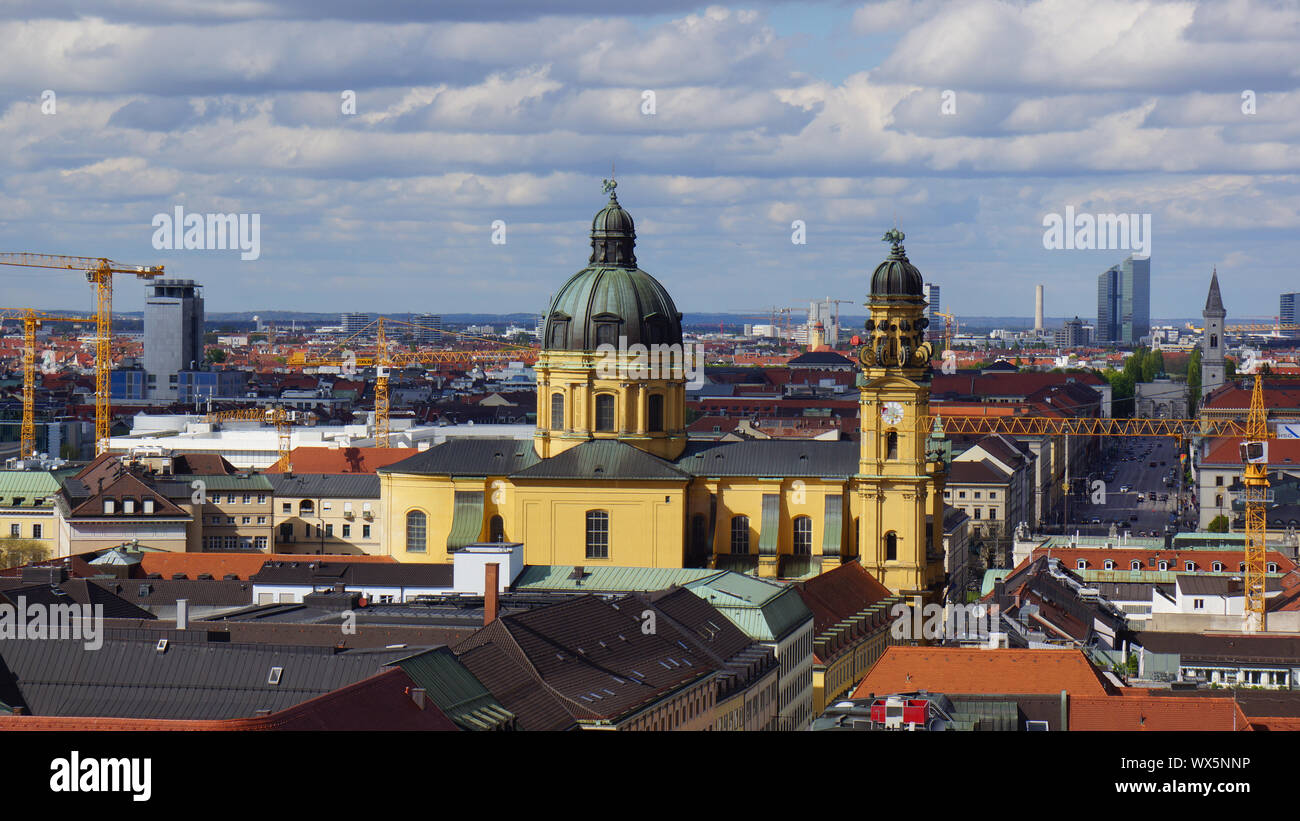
1129,461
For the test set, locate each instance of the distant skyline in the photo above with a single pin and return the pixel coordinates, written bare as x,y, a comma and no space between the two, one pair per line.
834,113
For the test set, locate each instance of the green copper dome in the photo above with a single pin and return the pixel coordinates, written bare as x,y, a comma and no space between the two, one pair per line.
896,276
611,297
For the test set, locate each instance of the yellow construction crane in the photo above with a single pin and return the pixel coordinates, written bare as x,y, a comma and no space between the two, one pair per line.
382,360
31,321
1254,455
99,273
1259,328
279,417
949,326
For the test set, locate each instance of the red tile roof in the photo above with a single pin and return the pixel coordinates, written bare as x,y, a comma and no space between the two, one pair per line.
1232,396
242,565
1123,557
1226,452
1109,713
344,460
961,670
1276,723
839,594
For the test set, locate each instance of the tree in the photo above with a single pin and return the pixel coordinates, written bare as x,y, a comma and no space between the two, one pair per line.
216,355
14,552
1193,381
1219,524
1153,366
1229,369
1121,391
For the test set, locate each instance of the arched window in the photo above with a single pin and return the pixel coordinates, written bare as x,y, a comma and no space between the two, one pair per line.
1135,565
605,412
891,546
892,446
597,534
739,534
1218,567
557,411
1110,565
655,410
497,530
305,507
415,532
802,536
1081,564
1214,340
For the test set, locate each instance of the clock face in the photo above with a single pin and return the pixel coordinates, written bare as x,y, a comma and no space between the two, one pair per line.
891,413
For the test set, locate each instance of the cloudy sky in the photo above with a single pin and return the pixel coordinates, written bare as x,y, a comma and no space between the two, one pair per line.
963,122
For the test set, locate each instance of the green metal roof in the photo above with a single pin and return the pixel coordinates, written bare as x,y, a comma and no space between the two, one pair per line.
764,610
29,485
614,579
455,690
992,577
255,481
467,520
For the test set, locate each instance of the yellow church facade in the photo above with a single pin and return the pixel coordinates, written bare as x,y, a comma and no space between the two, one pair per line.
611,477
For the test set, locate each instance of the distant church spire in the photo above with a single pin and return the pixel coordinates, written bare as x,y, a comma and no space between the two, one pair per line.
1214,302
1213,366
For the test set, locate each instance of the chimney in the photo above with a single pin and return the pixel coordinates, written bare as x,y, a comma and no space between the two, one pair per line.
490,592
417,696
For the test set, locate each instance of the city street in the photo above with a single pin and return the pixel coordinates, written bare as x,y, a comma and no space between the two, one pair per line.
1134,468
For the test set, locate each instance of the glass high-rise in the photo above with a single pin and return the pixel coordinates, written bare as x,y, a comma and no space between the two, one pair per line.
1286,314
1124,302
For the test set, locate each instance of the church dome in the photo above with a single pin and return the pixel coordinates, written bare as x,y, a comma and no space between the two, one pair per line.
611,297
896,276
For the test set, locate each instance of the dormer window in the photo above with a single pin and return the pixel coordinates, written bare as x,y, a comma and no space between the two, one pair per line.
110,507
148,506
128,505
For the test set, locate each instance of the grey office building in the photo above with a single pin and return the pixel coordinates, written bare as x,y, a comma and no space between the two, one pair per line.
1124,303
1286,315
429,328
933,306
173,334
354,323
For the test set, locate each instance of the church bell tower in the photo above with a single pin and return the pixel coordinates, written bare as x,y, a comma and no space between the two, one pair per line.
900,471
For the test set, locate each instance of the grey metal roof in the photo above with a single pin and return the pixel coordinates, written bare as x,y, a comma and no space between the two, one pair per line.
336,485
469,457
128,677
770,457
378,574
605,459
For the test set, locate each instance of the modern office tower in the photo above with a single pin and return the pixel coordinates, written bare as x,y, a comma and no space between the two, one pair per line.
1212,364
1038,308
173,334
824,313
1286,314
931,293
430,328
1124,302
353,323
